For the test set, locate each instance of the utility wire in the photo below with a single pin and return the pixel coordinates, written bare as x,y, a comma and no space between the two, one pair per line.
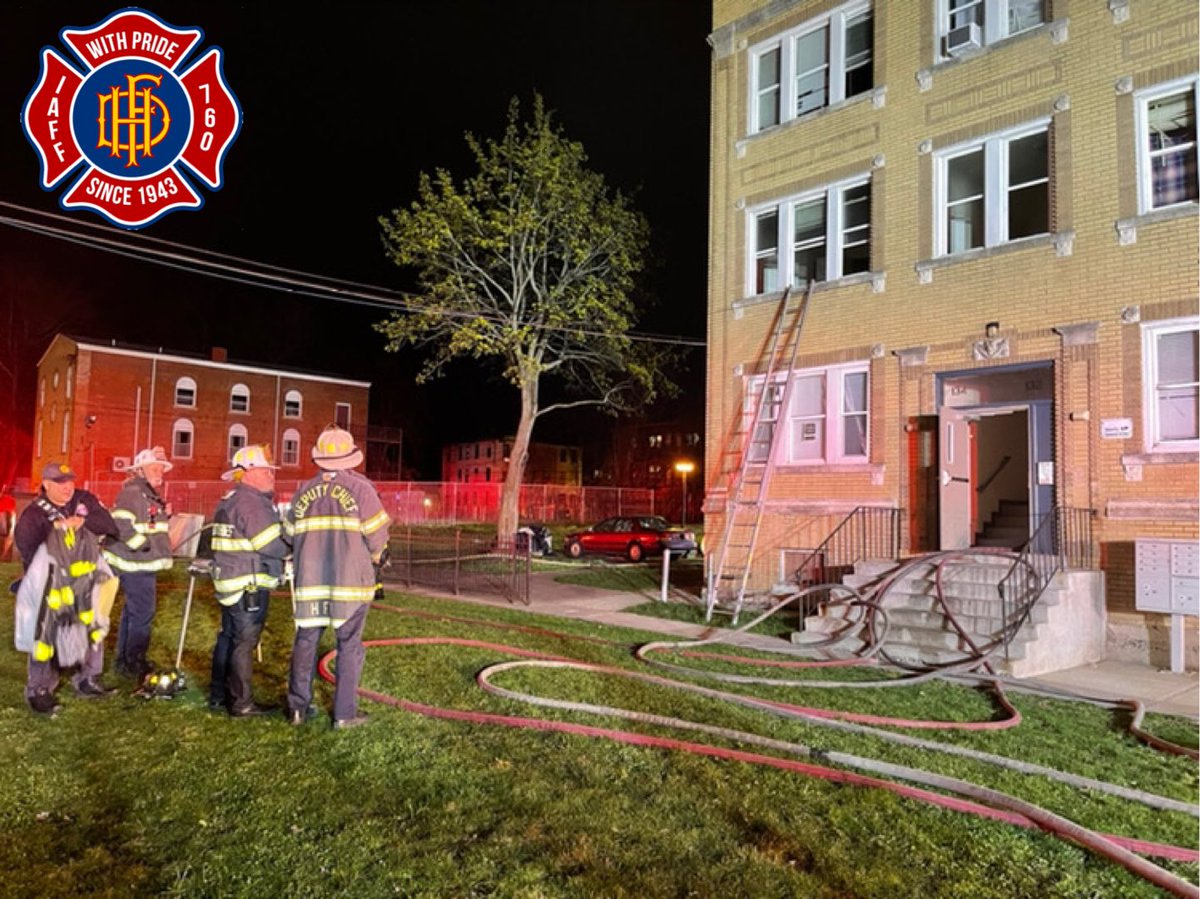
259,274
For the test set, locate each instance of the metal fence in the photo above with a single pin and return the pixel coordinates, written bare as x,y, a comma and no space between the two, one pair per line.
456,562
447,502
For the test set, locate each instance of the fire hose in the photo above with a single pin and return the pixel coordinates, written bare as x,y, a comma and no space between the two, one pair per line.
979,800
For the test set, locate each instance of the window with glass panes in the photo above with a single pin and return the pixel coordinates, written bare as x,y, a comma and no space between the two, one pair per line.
1171,375
827,419
994,191
827,235
1167,148
995,19
823,61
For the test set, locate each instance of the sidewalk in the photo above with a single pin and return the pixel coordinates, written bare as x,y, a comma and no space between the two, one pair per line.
1160,691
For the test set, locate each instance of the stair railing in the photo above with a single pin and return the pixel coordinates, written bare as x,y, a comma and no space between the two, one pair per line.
867,532
1062,541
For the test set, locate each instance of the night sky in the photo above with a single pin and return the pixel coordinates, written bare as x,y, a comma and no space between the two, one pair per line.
343,105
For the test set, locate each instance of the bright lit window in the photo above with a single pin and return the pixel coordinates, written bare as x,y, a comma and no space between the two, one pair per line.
1167,154
239,398
993,191
182,439
826,235
826,421
970,24
1171,384
185,393
821,62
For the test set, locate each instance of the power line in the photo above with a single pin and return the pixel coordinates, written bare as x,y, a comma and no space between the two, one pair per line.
253,273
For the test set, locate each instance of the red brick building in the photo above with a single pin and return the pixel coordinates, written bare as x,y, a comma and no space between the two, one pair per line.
486,461
97,405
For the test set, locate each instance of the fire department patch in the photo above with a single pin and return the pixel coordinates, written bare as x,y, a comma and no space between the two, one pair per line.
133,119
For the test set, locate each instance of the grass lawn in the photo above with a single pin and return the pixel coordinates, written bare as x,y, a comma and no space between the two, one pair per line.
123,797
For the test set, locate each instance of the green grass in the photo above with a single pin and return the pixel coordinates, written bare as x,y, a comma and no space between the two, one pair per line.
123,797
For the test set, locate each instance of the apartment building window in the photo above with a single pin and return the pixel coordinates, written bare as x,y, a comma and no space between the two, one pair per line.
826,420
826,236
1171,379
239,398
182,439
824,61
993,191
185,393
1166,126
341,415
293,404
237,440
41,394
966,25
291,447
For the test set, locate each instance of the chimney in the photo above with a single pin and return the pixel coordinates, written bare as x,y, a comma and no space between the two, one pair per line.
220,354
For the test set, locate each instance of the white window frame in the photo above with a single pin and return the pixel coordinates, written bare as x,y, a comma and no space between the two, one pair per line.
995,185
290,456
235,440
784,210
835,64
1142,100
185,383
1151,331
183,426
995,22
298,398
238,391
336,408
833,449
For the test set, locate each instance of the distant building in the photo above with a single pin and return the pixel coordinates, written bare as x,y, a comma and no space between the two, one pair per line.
644,454
98,404
486,461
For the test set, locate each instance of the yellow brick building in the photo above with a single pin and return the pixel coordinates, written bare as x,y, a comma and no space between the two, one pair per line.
996,202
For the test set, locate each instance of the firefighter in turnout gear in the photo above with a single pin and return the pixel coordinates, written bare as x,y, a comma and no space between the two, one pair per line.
249,549
143,550
340,531
57,537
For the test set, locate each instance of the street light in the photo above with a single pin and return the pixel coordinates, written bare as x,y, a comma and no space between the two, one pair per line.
684,469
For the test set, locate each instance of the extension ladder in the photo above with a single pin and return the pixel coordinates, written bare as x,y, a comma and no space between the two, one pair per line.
755,450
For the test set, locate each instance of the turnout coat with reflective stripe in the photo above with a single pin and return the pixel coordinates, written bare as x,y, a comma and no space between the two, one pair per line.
142,526
248,544
337,524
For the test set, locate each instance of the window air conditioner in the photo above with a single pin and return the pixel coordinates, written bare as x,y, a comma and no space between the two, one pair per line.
963,39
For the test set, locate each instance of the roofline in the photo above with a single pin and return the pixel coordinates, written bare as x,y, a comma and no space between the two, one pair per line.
206,363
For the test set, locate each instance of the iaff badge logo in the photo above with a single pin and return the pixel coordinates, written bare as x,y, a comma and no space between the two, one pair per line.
134,118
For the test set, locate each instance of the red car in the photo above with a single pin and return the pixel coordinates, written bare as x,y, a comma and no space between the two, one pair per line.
632,536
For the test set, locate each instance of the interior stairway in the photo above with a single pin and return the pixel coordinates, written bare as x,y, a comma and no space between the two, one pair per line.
1008,527
1058,633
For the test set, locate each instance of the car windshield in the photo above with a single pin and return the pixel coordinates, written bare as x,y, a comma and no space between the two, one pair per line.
653,523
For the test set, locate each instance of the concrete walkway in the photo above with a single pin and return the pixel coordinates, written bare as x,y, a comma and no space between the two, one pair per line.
1160,691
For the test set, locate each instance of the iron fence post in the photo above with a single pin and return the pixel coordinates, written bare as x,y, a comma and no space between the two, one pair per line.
457,556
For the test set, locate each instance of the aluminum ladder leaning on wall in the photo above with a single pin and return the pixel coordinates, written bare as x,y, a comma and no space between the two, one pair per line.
756,447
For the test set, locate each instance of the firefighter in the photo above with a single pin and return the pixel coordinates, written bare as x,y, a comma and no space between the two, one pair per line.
248,554
143,550
60,507
340,531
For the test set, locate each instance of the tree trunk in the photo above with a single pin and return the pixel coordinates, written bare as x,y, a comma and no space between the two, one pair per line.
510,495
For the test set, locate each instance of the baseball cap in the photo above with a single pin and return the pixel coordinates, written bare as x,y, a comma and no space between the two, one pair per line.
58,472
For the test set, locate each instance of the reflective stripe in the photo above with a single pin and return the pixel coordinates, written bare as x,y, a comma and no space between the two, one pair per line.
123,513
79,569
232,545
157,528
42,652
87,617
327,523
375,522
288,527
137,541
129,566
244,582
320,622
338,594
266,536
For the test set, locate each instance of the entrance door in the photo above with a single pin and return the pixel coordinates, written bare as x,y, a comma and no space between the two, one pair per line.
955,491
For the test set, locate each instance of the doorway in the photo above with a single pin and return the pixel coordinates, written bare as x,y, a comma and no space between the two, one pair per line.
995,455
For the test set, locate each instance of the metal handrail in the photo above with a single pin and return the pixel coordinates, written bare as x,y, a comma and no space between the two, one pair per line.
1062,541
867,532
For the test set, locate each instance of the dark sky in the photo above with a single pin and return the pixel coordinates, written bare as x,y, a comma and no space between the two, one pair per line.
343,105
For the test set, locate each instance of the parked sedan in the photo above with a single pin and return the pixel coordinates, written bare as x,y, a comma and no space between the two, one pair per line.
632,536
